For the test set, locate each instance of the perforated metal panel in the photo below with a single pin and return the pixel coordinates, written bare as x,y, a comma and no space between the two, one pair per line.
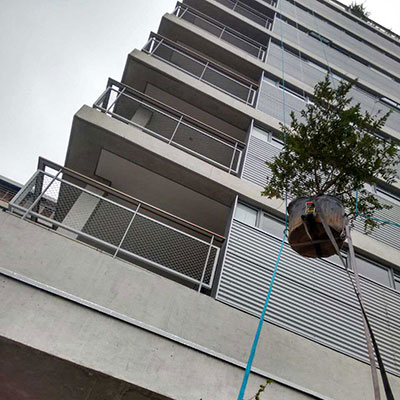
313,298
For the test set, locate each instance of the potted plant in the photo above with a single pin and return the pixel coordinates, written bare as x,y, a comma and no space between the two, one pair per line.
333,150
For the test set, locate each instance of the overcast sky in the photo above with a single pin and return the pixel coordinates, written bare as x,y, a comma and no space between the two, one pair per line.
57,55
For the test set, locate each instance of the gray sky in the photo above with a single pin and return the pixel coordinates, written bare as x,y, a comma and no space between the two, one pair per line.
57,55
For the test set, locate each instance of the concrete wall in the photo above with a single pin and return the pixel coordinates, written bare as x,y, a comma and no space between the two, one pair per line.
173,368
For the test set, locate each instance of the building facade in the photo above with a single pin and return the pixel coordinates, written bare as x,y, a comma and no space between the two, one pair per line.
138,269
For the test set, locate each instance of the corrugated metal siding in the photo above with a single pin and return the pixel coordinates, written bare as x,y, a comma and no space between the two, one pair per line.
349,24
339,36
258,152
335,58
388,234
313,298
255,170
270,101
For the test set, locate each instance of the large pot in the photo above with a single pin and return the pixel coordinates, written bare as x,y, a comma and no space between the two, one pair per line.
307,235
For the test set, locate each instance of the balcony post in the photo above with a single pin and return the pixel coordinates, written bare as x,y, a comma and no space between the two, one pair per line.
127,230
41,194
176,128
233,158
205,264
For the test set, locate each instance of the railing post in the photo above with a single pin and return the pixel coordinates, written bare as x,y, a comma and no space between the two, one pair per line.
157,45
205,264
176,128
41,194
204,70
233,158
236,3
126,231
222,32
116,99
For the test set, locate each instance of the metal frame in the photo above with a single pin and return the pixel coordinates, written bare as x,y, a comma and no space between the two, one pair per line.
181,120
261,49
14,205
207,66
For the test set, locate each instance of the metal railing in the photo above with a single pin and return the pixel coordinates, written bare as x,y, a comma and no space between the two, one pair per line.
135,231
201,68
6,194
248,12
220,30
177,129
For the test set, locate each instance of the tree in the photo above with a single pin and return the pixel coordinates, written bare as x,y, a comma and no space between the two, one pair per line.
359,10
334,148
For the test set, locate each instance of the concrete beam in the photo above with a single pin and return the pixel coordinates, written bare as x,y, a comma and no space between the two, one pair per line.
149,360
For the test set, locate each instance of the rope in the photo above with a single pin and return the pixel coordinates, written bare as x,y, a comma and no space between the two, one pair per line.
262,315
357,214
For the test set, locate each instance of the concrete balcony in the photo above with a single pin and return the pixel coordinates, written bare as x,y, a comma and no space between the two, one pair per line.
219,30
123,226
168,124
202,68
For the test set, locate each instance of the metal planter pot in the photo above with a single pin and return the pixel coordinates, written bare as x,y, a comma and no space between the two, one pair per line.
307,235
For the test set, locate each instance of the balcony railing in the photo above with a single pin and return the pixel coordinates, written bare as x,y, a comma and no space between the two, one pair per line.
175,128
249,12
201,68
135,231
222,31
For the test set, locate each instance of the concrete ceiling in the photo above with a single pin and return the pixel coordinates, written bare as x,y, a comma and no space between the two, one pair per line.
30,374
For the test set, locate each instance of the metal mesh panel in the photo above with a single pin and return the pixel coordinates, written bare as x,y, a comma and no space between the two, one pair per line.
226,84
224,33
218,151
89,216
200,69
160,244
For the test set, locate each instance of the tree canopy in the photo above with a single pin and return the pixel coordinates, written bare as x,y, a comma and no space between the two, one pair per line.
334,148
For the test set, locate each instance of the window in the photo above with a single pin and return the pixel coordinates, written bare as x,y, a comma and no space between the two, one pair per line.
391,103
372,271
323,39
272,225
396,275
246,214
275,138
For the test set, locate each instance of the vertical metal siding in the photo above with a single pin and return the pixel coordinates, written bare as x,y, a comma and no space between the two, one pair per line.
313,298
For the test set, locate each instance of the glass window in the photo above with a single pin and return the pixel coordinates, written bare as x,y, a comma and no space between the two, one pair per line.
377,273
396,275
272,225
245,214
261,134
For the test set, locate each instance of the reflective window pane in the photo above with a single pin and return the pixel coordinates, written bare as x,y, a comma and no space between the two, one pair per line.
372,271
246,214
271,225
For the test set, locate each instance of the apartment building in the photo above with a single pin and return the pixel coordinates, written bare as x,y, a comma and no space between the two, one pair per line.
138,269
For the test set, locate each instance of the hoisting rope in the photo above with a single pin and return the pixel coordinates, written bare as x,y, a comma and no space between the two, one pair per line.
369,335
264,310
383,221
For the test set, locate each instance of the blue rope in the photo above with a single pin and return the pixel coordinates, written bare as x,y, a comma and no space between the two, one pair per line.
262,316
357,214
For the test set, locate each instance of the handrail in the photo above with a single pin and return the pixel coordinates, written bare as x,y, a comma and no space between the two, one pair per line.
193,120
223,68
43,163
252,10
221,25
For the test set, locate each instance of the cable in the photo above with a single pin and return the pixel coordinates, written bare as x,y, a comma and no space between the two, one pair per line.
262,316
